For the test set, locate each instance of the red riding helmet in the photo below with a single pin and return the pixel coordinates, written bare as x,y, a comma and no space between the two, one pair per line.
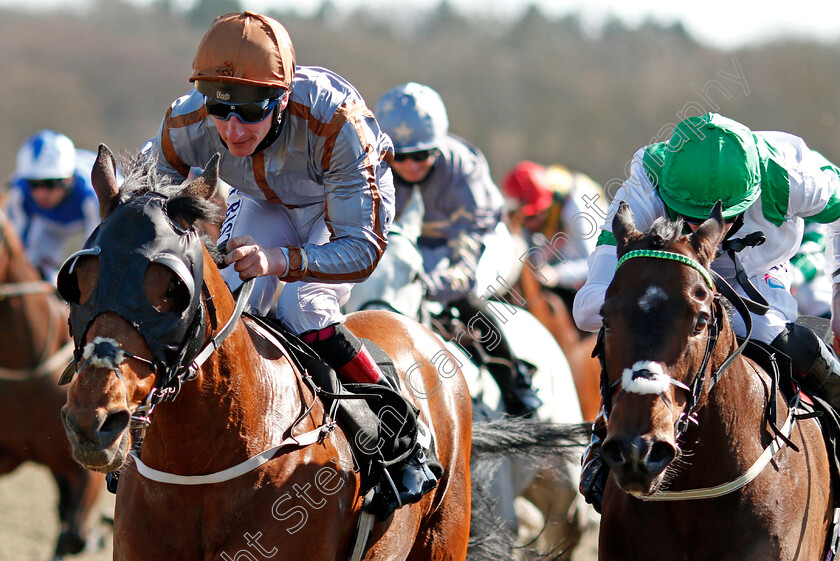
528,184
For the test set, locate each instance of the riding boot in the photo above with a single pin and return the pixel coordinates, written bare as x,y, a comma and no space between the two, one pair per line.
416,474
419,472
512,375
594,470
520,397
813,362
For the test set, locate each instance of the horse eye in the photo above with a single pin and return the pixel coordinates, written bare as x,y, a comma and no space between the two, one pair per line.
174,288
701,322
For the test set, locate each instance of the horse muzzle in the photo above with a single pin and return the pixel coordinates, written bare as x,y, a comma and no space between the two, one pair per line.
638,462
100,440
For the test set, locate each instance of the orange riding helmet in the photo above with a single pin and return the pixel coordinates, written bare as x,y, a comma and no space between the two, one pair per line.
244,57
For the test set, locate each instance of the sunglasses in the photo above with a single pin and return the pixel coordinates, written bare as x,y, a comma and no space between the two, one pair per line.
47,184
420,156
250,112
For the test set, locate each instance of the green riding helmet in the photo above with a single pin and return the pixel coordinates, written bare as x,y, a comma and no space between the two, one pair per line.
708,158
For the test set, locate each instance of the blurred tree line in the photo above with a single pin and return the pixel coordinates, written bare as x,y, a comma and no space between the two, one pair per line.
534,88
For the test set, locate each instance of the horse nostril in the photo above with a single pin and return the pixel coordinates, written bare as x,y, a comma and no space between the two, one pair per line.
113,426
70,424
612,453
661,454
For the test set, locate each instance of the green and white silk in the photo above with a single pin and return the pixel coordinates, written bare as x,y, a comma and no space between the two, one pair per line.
796,183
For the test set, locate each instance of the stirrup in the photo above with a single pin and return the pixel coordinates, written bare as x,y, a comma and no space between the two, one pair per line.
404,483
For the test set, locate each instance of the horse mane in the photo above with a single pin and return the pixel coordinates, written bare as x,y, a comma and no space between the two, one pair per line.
141,176
664,233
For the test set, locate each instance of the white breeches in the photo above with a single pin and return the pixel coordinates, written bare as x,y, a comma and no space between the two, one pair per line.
301,306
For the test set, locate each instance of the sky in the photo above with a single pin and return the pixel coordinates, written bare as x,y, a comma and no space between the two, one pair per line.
724,24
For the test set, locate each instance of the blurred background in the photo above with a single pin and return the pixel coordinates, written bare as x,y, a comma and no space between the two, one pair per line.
554,82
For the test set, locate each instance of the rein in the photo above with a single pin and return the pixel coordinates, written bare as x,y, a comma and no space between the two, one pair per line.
310,437
11,289
44,367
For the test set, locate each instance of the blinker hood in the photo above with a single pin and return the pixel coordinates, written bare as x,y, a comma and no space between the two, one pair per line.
137,234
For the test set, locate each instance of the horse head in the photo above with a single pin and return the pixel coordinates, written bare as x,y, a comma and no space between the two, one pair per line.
139,305
661,317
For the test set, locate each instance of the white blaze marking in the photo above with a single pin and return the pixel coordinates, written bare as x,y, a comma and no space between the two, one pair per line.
656,383
651,296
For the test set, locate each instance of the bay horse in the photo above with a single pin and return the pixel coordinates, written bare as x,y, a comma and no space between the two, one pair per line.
34,349
702,466
236,459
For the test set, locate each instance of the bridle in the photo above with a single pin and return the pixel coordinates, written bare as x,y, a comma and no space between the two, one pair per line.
138,234
694,388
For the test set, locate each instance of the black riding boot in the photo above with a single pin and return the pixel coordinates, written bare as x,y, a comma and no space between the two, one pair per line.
594,470
419,472
416,471
813,362
512,375
514,382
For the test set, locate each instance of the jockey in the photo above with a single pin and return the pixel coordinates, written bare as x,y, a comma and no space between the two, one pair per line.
554,205
51,201
769,182
311,198
462,216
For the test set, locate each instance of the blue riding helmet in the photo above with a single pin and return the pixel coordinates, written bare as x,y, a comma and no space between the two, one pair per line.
414,116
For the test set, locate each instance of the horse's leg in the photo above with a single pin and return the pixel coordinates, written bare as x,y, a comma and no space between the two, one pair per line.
78,491
555,495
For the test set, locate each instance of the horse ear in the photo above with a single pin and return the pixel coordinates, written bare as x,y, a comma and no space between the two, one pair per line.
708,236
104,180
205,185
624,227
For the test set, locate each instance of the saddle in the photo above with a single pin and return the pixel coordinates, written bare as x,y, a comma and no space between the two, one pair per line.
379,423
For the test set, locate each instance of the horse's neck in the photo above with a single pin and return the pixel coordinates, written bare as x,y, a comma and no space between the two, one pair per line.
731,422
553,315
241,404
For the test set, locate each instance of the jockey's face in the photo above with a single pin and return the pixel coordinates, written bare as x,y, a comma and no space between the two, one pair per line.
49,194
412,170
242,138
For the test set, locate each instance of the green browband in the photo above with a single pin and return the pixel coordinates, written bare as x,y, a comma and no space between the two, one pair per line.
673,257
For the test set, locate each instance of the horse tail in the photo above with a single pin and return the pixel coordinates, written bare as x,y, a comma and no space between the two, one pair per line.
520,440
529,438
